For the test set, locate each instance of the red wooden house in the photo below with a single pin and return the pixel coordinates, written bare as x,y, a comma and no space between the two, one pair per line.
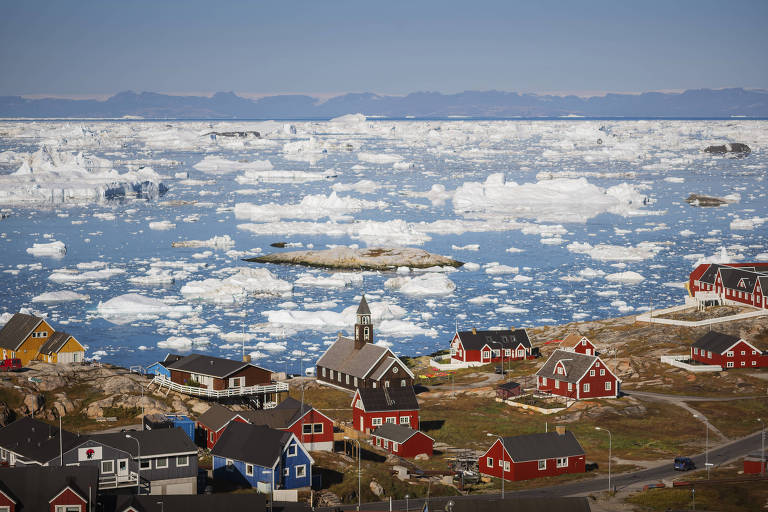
578,343
743,283
402,440
727,351
533,456
51,488
490,346
216,373
211,423
373,407
577,376
755,463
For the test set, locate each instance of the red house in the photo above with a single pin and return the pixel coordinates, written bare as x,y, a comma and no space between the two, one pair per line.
755,464
577,376
402,440
727,351
578,343
311,427
373,407
533,456
49,488
487,346
742,283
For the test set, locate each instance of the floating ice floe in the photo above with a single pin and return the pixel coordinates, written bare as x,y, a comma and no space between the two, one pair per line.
51,249
379,158
337,280
219,165
495,269
217,242
157,276
362,187
310,207
61,296
162,225
628,277
607,252
132,306
255,282
73,276
183,343
422,285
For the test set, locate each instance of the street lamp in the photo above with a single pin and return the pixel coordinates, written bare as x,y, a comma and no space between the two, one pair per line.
272,490
503,451
138,463
610,445
706,446
407,508
501,354
359,473
762,448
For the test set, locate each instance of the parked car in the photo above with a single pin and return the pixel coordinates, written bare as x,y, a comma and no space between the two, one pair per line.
684,464
10,365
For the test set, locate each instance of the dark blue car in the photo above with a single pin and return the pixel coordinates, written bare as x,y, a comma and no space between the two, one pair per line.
684,464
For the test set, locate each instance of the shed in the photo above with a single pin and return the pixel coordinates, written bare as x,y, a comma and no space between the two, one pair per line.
509,390
752,464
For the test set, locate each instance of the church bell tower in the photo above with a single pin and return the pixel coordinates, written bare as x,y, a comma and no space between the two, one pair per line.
363,325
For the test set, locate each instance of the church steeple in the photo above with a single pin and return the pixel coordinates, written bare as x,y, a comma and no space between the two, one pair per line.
363,325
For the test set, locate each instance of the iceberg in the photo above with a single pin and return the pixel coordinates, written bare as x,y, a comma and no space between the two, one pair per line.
422,285
256,282
51,249
62,296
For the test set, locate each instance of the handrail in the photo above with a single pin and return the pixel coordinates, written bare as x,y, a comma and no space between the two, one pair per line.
164,381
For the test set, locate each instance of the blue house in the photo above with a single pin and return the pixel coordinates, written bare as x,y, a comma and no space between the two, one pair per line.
261,457
161,367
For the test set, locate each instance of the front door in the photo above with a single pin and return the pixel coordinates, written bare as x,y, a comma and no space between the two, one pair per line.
122,470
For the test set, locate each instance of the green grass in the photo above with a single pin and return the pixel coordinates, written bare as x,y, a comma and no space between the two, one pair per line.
724,498
735,418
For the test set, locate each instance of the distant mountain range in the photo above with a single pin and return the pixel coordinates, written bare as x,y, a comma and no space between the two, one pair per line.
695,103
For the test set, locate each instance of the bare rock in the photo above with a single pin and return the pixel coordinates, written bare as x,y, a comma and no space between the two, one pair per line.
735,148
421,456
51,382
198,406
94,410
376,488
33,403
120,384
6,414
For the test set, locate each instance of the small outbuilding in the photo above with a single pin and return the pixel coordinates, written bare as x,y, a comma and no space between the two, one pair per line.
755,464
402,440
508,390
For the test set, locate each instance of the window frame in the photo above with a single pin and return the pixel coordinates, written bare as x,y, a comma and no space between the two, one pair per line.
158,460
489,461
186,461
315,428
562,462
292,448
248,469
111,465
542,464
305,427
376,422
145,464
301,468
585,387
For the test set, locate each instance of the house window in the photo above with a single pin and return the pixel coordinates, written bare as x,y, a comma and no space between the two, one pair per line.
249,469
63,508
743,353
586,388
729,353
507,352
543,381
486,354
608,386
584,342
591,373
496,352
506,465
695,351
107,466
709,354
570,387
145,464
306,428
386,443
301,471
338,376
394,446
602,372
562,462
318,429
376,422
287,472
386,383
743,363
347,379
374,385
213,436
161,463
292,450
229,465
405,420
3,454
367,333
378,441
402,383
182,460
754,352
489,461
559,370
323,372
521,353
729,364
557,384
754,363
392,419
542,465
355,381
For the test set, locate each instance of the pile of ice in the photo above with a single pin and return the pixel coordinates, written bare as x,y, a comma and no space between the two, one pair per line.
73,276
310,207
157,276
256,282
50,249
422,285
336,280
132,306
52,177
607,252
219,165
556,200
61,296
379,158
217,242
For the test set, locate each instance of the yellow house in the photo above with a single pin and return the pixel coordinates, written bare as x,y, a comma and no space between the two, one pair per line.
30,338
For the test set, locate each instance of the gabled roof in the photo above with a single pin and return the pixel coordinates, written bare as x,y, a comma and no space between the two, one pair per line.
56,342
363,308
382,399
208,365
284,415
216,417
32,487
576,365
386,365
170,358
343,357
35,440
17,329
548,445
573,340
157,442
396,433
710,274
739,279
508,338
255,444
509,385
715,342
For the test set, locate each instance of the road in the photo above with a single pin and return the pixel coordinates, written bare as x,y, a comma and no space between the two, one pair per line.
685,398
635,480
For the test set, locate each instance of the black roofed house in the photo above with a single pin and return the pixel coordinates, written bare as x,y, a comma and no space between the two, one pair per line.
731,283
30,442
41,488
215,377
577,376
483,347
373,407
261,457
359,363
716,348
508,389
161,367
533,456
31,338
402,440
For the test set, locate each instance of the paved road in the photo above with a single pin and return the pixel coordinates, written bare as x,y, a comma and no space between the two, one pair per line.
685,398
635,480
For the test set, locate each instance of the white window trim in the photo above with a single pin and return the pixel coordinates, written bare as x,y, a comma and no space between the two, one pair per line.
562,462
376,422
157,463
229,464
392,420
489,461
315,430
292,450
303,468
59,508
145,464
186,461
304,428
112,465
543,465
586,387
248,469
394,446
608,386
405,420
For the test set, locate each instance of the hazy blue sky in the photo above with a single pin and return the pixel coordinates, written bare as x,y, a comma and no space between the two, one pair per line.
328,47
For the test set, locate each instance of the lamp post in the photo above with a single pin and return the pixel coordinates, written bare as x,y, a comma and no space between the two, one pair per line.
706,446
407,508
762,447
501,354
138,463
503,451
610,446
272,490
359,473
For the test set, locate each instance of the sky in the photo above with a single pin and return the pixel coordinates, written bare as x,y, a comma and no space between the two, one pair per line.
97,48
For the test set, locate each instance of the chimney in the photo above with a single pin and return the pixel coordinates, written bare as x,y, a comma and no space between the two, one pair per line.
247,358
560,429
474,331
512,328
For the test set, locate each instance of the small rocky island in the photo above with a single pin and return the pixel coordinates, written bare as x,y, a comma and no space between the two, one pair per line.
705,201
372,258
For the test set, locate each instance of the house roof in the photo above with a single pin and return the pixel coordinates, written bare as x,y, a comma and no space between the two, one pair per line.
572,340
35,440
17,329
547,445
157,442
363,308
508,338
342,356
284,415
576,365
395,398
710,274
216,417
32,487
516,504
384,366
509,385
55,343
187,503
207,365
734,277
256,444
396,433
716,342
170,358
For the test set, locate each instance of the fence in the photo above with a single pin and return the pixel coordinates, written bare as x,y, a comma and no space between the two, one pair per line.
679,361
163,381
651,317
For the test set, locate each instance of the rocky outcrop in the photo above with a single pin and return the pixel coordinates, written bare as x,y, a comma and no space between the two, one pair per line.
705,201
33,403
736,148
372,258
6,414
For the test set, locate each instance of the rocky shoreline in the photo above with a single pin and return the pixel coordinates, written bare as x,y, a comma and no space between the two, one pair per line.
372,258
